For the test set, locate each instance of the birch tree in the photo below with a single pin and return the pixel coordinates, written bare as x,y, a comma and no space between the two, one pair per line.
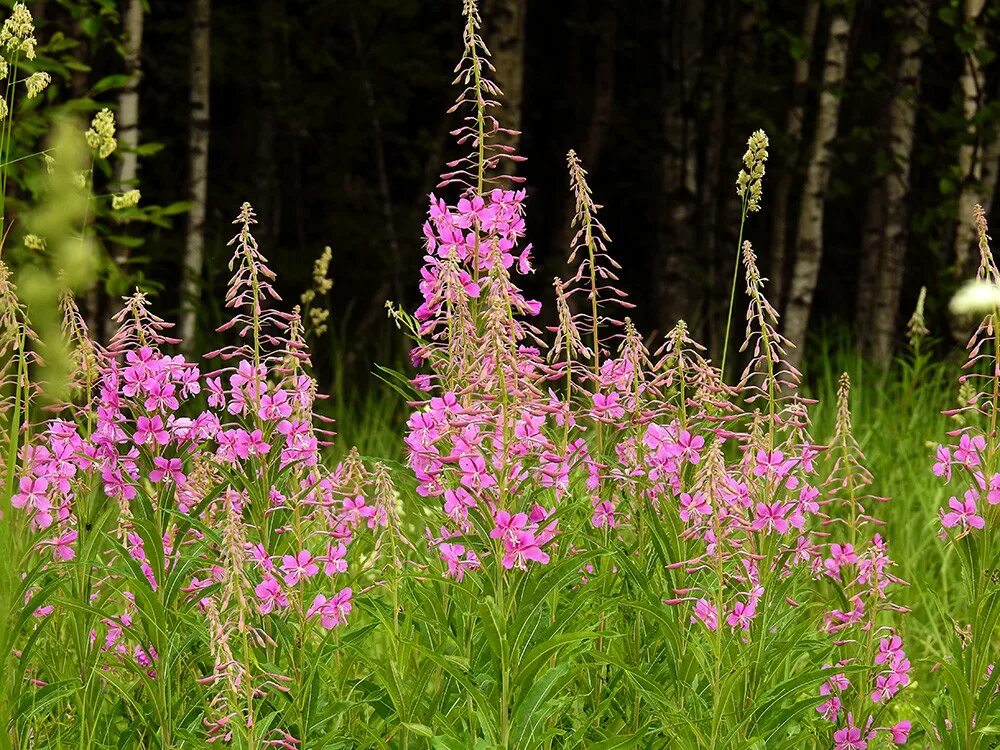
970,163
127,168
809,255
912,22
793,132
198,135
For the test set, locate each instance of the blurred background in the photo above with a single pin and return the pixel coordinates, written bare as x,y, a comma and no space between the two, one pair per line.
330,117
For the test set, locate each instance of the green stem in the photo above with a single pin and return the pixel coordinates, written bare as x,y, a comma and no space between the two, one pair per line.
732,291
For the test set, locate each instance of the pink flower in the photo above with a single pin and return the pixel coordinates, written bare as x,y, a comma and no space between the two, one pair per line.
706,613
508,526
259,555
150,430
62,546
457,503
993,493
900,732
770,463
167,468
32,492
332,611
771,517
333,561
216,394
849,738
962,513
521,549
742,615
967,452
888,648
271,596
275,406
604,515
474,473
839,555
250,444
942,464
694,505
161,396
690,446
298,567
607,407
458,559
829,708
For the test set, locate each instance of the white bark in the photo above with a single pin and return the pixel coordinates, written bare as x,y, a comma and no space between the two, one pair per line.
194,250
969,153
805,272
127,169
902,126
128,100
793,130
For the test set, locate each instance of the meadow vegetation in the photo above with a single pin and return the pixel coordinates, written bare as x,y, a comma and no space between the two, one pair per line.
528,537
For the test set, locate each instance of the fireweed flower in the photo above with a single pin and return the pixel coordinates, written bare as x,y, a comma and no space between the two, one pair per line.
298,567
967,522
139,435
332,611
962,513
860,563
969,447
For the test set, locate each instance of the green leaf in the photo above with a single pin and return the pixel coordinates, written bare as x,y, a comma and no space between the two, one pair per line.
530,714
422,729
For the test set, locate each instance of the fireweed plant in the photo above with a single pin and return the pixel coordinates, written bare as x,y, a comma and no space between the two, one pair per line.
969,464
595,540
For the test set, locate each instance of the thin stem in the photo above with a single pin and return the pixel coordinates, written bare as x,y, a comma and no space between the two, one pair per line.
732,291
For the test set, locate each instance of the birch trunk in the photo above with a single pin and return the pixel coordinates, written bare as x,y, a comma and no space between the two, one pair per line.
969,153
902,126
793,131
127,170
194,249
809,256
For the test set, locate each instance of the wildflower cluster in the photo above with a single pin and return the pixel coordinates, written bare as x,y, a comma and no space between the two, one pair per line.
969,464
246,464
620,548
